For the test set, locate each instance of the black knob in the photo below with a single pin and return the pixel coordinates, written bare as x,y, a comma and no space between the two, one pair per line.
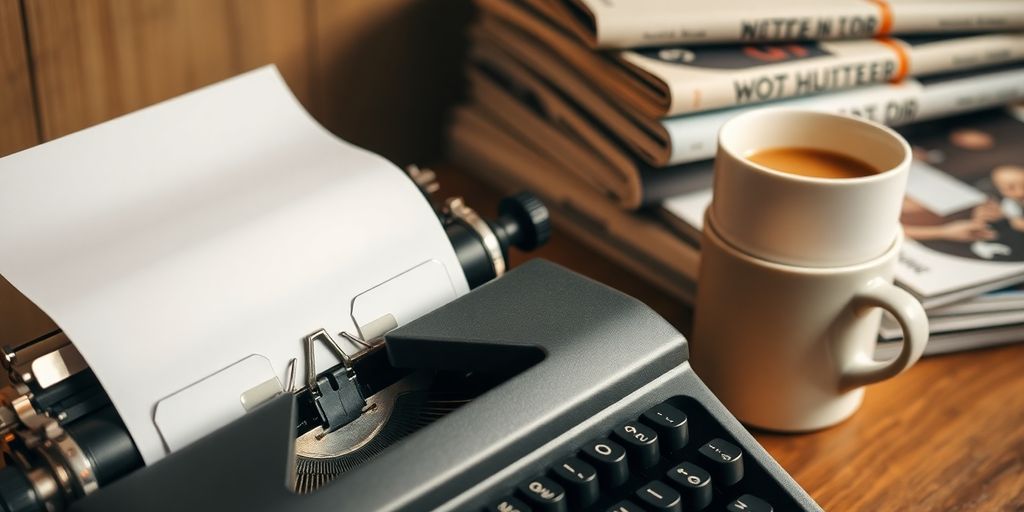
16,492
523,222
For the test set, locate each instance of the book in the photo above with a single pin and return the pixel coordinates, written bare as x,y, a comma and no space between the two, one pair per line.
607,162
556,127
689,138
964,210
637,23
670,81
482,142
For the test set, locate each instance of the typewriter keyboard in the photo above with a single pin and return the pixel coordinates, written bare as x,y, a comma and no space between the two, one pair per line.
674,456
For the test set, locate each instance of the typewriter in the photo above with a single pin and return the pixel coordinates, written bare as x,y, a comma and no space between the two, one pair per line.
538,390
423,389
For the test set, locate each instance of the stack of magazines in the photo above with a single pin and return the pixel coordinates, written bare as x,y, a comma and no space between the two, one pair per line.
609,109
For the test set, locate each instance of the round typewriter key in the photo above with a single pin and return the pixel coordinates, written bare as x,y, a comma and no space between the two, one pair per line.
610,460
693,483
748,503
542,493
624,506
670,423
507,504
641,443
723,460
579,479
658,496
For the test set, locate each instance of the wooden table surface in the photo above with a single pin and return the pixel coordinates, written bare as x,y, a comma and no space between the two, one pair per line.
947,435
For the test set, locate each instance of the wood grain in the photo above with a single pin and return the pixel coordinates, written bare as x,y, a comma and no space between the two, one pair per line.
97,59
20,319
948,435
389,70
17,113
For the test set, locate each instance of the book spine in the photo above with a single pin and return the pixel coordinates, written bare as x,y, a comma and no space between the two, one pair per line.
845,65
619,25
693,136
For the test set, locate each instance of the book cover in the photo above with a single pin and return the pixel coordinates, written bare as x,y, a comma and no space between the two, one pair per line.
677,80
690,138
637,23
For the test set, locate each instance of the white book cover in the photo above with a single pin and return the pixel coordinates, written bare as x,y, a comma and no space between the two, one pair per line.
638,23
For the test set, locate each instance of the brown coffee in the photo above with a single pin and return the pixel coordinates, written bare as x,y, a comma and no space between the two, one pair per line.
817,163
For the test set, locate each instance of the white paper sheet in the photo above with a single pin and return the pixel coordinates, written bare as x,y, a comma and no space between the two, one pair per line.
176,241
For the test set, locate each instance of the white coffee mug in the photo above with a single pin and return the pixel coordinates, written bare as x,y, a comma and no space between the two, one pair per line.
788,348
803,220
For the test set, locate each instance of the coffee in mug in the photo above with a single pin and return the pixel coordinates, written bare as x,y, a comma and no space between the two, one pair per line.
795,219
812,162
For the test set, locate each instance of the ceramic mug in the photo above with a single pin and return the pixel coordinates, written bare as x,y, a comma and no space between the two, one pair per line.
796,270
789,348
802,220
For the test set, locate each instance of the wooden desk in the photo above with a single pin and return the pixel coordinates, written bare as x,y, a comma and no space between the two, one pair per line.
947,435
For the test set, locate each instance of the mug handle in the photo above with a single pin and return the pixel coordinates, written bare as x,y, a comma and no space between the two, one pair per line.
878,292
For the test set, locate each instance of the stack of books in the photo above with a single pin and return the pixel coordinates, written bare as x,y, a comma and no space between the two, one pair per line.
609,109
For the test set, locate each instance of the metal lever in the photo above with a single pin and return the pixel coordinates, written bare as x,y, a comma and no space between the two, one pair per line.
336,394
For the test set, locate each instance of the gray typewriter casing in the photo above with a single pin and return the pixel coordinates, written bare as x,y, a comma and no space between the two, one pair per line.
602,355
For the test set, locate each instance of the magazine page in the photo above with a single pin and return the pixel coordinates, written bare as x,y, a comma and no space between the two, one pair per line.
638,23
967,229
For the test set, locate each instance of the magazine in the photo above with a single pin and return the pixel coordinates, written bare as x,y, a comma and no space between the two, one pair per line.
956,341
963,215
913,100
553,125
482,143
1006,299
671,81
690,138
941,324
637,23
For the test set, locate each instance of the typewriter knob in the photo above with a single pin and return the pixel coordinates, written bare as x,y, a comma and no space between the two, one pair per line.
482,245
523,222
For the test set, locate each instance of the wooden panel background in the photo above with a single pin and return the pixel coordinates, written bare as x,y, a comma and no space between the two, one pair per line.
379,73
19,318
97,59
17,113
389,70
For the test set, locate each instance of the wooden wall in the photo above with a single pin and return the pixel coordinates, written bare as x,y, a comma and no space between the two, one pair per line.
379,73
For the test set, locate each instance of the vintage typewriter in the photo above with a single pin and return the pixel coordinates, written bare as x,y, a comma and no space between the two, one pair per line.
538,390
242,243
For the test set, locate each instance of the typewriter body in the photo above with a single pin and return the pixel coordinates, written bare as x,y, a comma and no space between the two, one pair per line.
432,378
497,392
